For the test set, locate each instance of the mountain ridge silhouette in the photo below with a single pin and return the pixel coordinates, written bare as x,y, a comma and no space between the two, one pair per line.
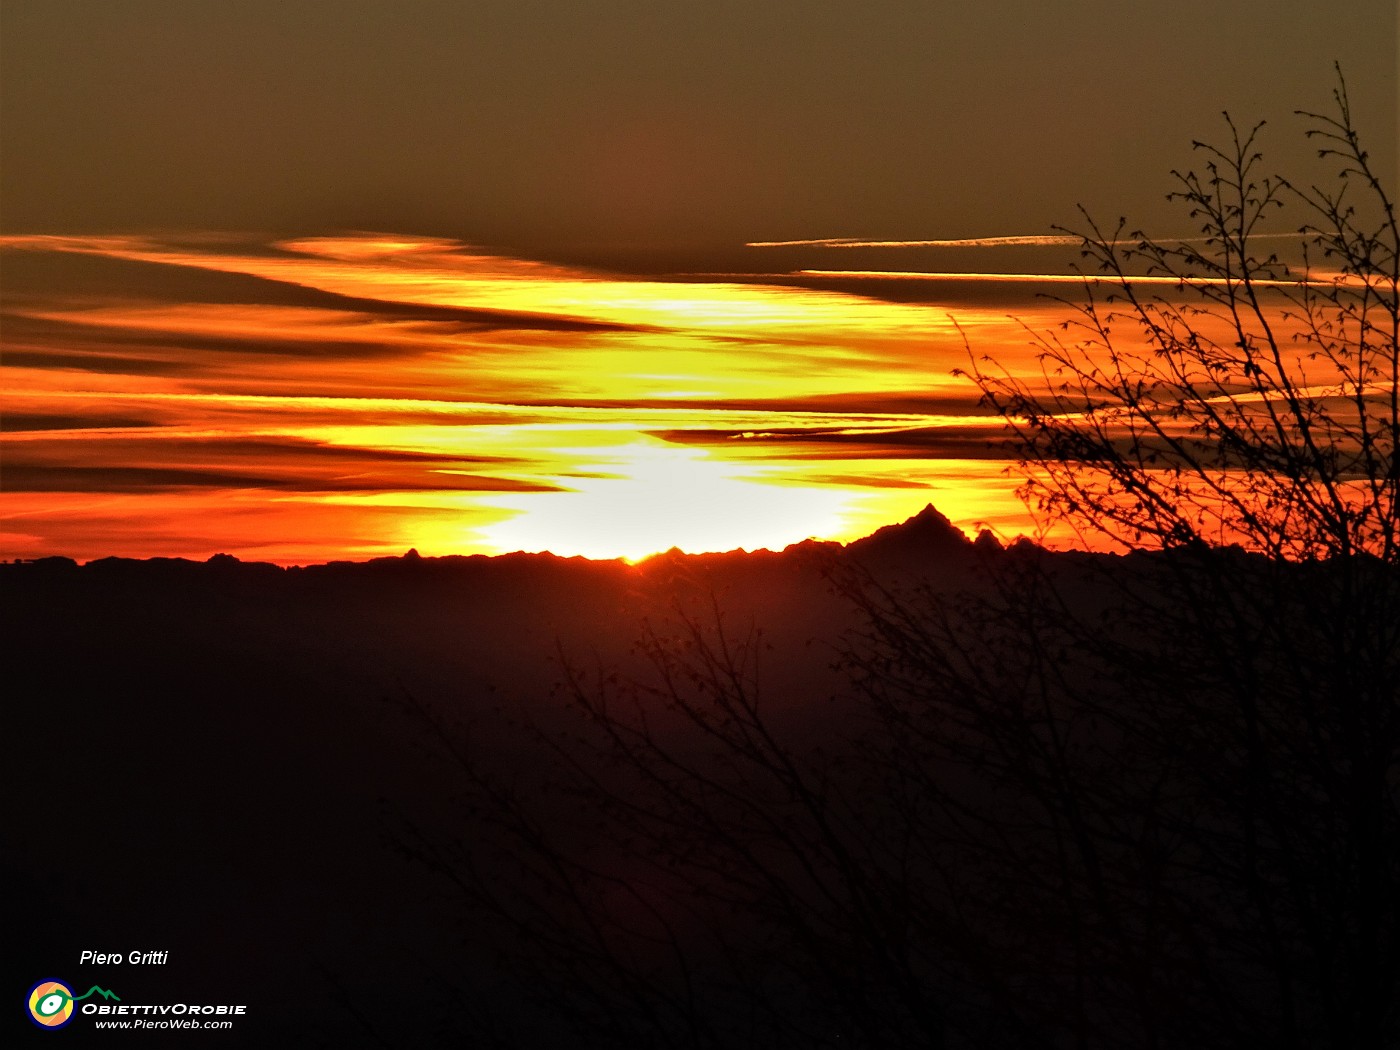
244,725
928,532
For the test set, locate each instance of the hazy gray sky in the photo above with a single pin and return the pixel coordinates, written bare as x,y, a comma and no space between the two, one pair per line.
588,125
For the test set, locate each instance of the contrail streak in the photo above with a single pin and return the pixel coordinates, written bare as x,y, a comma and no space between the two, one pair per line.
1010,241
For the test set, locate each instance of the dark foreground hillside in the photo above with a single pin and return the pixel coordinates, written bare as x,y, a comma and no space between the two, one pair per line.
469,801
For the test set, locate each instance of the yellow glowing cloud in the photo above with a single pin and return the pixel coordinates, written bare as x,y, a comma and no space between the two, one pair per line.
427,273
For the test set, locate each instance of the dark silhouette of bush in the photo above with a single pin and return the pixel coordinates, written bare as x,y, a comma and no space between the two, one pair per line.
1243,396
1237,395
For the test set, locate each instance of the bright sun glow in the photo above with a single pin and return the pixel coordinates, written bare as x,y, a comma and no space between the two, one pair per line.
648,497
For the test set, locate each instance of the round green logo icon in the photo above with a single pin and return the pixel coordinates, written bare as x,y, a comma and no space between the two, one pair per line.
50,1004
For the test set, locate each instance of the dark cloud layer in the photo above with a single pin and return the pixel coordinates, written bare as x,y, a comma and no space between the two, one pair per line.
154,463
106,347
21,477
23,422
798,443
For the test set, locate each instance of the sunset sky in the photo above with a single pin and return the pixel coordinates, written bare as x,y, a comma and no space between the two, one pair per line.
300,281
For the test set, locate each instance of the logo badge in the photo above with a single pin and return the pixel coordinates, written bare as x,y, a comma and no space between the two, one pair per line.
51,1004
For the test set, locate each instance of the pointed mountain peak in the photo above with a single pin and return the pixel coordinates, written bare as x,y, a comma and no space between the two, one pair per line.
928,532
929,524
